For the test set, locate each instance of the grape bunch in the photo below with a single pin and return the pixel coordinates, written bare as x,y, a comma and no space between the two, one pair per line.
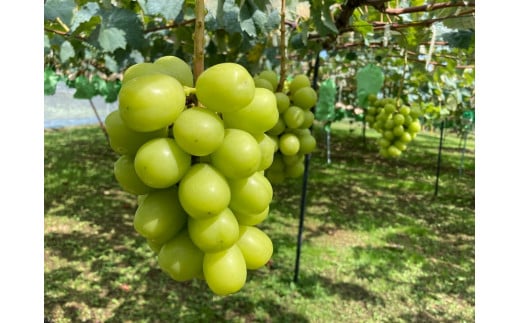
292,130
197,170
398,126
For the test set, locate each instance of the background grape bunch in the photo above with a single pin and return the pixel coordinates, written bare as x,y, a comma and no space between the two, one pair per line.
197,170
292,130
398,125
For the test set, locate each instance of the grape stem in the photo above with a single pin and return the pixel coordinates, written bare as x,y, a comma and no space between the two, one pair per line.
282,48
198,39
189,90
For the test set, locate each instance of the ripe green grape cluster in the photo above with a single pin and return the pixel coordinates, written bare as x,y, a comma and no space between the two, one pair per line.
398,126
197,171
292,130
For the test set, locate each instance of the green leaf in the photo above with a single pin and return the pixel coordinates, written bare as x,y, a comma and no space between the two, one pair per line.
51,79
363,27
326,99
84,14
111,64
169,9
100,85
322,18
66,51
112,90
63,9
460,38
121,26
84,89
111,39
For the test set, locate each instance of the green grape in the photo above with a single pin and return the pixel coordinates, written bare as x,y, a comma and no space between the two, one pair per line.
160,216
400,145
299,81
404,110
398,119
308,119
215,233
282,102
414,127
295,170
305,97
263,83
225,271
293,159
181,259
139,69
267,148
161,163
225,87
127,178
307,144
124,140
389,135
293,117
278,128
398,131
393,151
270,76
204,191
176,67
289,144
251,218
238,156
250,195
199,131
260,115
383,142
255,245
390,108
406,137
151,102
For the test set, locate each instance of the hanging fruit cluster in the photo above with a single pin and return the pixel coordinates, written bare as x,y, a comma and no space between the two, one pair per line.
292,131
198,171
398,125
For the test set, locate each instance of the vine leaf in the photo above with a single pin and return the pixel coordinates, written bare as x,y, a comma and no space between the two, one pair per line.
84,14
128,22
111,39
51,80
66,51
63,9
169,9
84,88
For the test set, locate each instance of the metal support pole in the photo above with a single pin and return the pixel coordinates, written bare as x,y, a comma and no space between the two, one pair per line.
303,199
439,161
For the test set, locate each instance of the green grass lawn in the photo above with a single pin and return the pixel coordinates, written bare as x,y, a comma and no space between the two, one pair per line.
377,245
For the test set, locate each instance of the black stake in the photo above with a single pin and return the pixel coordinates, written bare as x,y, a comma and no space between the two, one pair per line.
303,199
439,160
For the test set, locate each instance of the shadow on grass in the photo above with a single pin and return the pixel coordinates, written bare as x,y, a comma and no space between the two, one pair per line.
112,276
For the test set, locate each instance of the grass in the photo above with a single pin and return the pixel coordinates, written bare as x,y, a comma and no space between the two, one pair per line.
377,245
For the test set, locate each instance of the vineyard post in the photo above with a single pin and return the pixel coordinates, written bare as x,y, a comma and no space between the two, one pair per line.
439,161
303,199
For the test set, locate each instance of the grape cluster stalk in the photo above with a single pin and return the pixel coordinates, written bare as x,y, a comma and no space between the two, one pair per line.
199,171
